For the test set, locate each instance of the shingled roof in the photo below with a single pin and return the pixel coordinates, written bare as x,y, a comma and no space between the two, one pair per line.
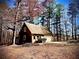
37,29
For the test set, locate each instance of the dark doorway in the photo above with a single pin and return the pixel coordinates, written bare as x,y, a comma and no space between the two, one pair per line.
24,36
28,38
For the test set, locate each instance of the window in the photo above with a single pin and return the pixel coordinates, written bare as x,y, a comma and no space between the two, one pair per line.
24,37
38,37
34,37
24,29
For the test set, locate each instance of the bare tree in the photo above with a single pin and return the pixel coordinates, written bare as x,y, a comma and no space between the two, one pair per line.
1,22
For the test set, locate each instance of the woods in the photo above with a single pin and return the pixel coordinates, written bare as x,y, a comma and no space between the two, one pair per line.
61,23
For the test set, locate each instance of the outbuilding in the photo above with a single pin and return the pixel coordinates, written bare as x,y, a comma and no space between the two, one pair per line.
31,33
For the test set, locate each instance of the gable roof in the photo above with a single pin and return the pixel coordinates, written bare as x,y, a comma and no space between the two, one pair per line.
37,29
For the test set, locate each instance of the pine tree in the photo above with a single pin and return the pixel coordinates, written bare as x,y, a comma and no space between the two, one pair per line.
58,21
73,12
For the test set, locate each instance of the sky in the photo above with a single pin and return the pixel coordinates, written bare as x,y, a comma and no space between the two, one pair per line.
11,3
64,2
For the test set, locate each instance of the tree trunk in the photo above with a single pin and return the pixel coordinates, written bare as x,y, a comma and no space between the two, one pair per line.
72,28
75,28
57,28
1,22
66,31
54,32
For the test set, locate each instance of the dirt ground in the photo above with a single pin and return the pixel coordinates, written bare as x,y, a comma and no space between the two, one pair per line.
40,52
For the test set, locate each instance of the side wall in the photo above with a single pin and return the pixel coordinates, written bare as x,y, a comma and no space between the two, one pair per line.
48,37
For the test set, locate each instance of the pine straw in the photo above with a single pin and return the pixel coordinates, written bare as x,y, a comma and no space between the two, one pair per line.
40,52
